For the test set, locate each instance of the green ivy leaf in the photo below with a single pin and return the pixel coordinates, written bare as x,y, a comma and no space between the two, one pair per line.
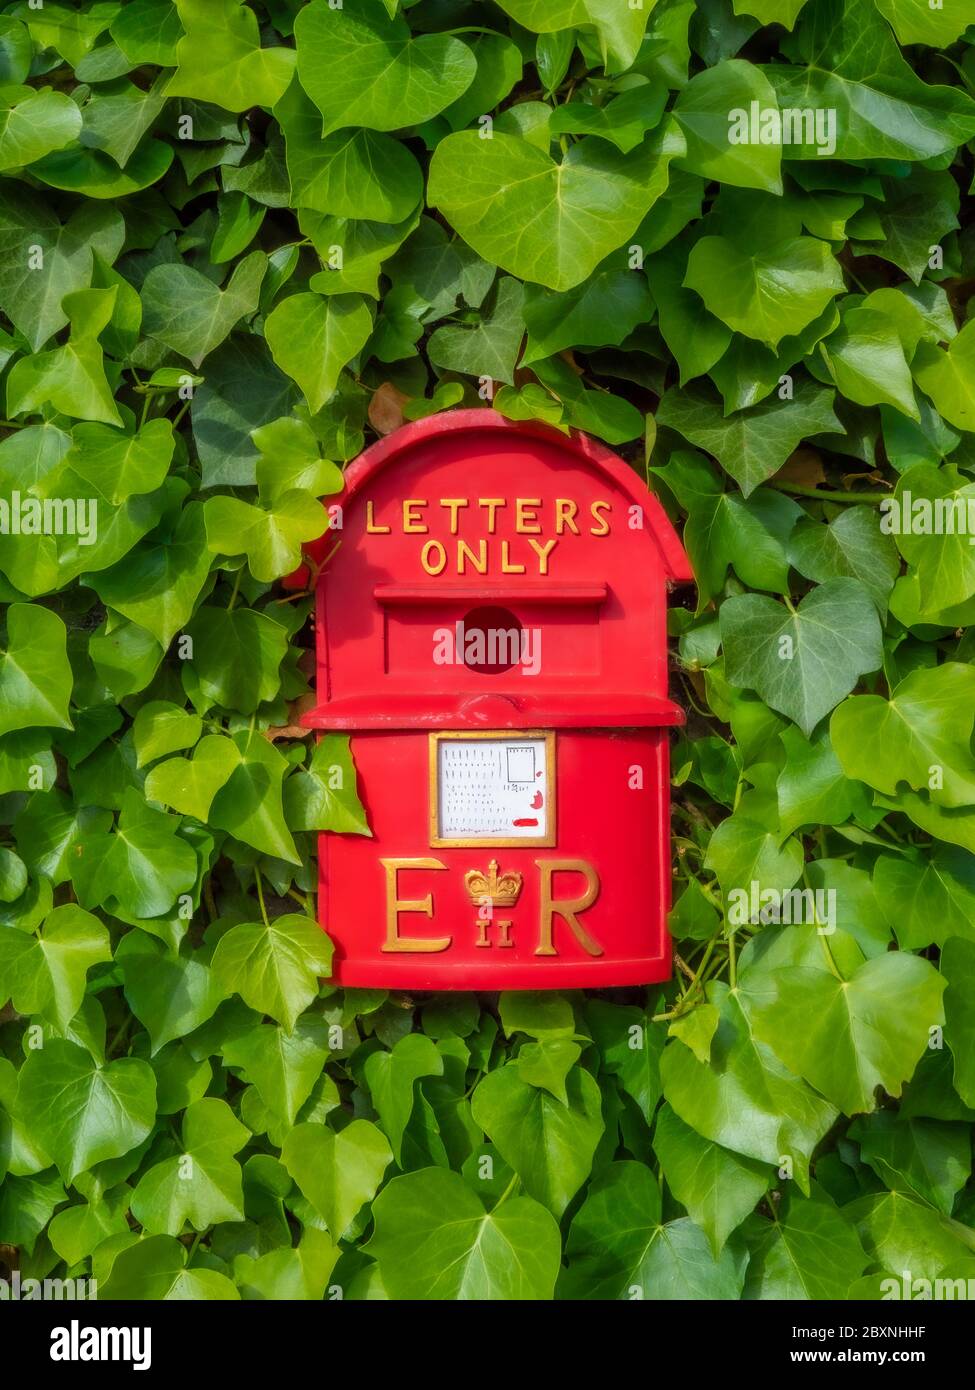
94,174
270,538
927,898
392,1078
35,677
809,1251
120,466
33,123
870,1044
237,654
931,1159
284,1065
883,110
550,1145
538,1013
604,309
324,796
16,50
853,546
83,1113
249,805
744,1098
156,1269
76,1231
898,1232
958,968
366,69
802,662
551,223
71,378
302,1273
751,444
161,727
143,865
695,337
221,59
742,851
171,994
766,293
148,31
618,1244
718,1188
34,301
338,1173
159,581
313,337
202,1185
44,972
948,377
754,535
274,967
290,459
920,735
490,349
190,314
922,24
434,1240
631,1045
189,785
866,358
704,109
351,172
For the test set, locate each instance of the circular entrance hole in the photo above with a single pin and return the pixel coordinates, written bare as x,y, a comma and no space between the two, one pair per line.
492,640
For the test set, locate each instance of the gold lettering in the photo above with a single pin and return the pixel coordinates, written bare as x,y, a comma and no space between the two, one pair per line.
595,508
453,505
479,562
543,552
484,925
395,905
492,504
566,908
506,566
526,518
412,524
371,526
565,515
430,548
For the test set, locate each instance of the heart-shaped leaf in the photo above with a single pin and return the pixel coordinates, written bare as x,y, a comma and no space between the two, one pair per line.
541,220
362,67
804,660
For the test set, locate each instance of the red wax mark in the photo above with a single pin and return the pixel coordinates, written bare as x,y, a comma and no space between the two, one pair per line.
537,801
525,820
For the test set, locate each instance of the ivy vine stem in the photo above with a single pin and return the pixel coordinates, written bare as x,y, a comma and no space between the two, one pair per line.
260,894
828,494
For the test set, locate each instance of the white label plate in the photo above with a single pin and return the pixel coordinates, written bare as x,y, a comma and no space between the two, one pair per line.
494,789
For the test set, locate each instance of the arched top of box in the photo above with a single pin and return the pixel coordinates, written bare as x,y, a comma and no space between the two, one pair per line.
466,528
395,447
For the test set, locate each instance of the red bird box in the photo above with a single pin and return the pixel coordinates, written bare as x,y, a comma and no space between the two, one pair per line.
492,634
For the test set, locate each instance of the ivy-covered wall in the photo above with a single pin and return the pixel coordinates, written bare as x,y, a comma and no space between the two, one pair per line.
237,243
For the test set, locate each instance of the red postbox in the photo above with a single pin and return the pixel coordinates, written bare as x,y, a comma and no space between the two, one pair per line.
491,633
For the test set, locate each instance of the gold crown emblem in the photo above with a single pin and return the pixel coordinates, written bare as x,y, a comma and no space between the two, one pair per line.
503,890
